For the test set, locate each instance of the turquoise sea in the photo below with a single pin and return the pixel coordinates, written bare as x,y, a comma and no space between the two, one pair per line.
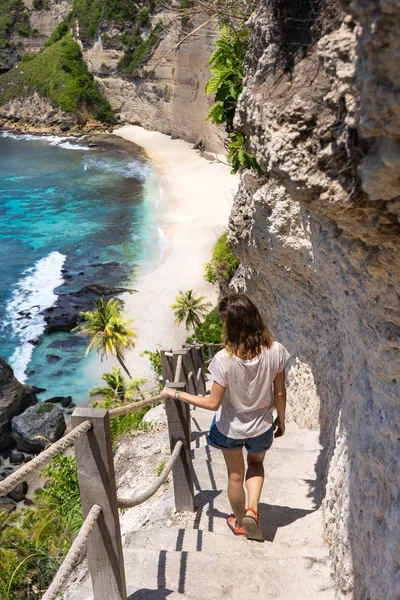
72,213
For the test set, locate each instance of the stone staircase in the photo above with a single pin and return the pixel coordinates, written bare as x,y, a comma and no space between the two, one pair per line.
198,558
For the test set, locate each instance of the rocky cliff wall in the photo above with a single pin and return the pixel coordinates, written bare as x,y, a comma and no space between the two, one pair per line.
318,239
171,99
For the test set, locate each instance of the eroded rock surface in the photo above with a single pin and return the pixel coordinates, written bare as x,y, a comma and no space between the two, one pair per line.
318,239
14,399
38,427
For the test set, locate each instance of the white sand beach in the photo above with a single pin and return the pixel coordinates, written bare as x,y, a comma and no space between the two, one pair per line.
198,196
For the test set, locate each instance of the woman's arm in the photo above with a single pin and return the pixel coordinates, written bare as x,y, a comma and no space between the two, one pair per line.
211,402
280,403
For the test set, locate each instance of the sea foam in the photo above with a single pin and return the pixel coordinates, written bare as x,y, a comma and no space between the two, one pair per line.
33,293
126,167
53,140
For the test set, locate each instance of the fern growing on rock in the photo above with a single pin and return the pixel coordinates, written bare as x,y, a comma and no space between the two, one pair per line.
226,66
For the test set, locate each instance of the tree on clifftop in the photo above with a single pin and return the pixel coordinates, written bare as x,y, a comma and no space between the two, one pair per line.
109,332
189,309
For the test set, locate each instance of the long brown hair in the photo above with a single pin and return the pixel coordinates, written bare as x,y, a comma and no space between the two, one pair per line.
244,333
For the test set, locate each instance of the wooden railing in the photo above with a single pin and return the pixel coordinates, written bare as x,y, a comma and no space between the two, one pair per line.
182,369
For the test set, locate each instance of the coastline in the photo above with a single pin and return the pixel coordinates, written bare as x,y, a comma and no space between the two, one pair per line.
197,200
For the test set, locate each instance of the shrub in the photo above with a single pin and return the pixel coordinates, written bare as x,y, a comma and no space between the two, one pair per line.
223,263
209,332
226,66
60,74
155,361
125,423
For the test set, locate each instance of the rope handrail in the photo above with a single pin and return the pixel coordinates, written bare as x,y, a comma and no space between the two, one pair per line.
74,553
139,498
8,484
134,406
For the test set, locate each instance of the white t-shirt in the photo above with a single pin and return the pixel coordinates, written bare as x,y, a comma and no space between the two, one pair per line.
248,403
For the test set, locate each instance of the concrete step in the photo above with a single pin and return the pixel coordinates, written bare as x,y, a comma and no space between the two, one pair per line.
199,540
206,577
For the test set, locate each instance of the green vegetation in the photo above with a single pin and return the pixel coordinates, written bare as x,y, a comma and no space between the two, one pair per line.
44,407
34,541
117,388
155,361
62,29
14,18
125,423
188,308
41,4
139,49
108,331
210,331
160,468
223,263
60,74
226,65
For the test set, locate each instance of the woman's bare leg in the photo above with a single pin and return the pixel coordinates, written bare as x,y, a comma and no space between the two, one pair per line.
235,466
254,479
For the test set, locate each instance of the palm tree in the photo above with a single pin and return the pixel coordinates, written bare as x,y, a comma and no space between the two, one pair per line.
116,387
189,309
109,332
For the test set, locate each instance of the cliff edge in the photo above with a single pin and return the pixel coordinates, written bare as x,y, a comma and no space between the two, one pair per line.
318,240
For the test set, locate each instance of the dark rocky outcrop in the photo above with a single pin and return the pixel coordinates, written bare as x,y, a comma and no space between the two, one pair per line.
65,314
14,399
63,400
19,492
37,427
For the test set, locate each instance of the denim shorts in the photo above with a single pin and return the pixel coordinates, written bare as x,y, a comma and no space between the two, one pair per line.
257,445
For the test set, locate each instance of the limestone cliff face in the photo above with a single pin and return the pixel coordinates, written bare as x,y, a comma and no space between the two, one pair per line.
171,99
318,239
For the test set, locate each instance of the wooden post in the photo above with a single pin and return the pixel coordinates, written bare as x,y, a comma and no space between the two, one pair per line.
167,365
178,415
190,366
97,485
198,356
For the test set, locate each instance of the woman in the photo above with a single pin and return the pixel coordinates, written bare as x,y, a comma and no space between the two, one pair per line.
244,374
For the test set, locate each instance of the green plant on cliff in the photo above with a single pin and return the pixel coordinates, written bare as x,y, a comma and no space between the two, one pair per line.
223,263
14,19
226,66
109,333
60,74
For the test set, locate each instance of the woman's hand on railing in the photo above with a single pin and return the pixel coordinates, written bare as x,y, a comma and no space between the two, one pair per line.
169,392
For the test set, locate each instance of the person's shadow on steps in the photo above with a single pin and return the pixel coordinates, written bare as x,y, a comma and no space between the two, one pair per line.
272,517
146,594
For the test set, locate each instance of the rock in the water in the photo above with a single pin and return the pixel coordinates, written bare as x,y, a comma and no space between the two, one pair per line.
28,502
14,399
65,402
61,399
53,358
37,427
16,458
65,314
72,405
19,492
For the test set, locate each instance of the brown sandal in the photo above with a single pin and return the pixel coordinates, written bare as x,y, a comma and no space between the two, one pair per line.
252,526
231,520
